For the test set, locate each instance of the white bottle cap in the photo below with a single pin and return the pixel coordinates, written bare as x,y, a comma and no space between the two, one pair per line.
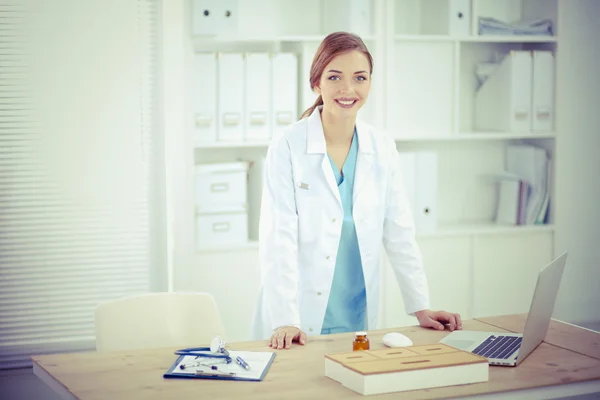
361,333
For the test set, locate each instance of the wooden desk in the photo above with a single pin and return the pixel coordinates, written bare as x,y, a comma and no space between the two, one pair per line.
568,363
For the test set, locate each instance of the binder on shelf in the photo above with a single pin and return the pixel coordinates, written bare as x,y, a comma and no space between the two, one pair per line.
459,18
542,100
204,94
347,15
503,101
256,174
214,17
448,17
284,91
419,173
524,187
231,96
257,96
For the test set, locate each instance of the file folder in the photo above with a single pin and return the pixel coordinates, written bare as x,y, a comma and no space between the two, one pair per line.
542,103
284,91
231,96
347,15
204,77
419,174
426,193
503,101
257,98
448,17
459,18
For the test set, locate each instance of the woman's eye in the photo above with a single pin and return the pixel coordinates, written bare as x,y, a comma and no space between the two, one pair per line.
334,78
361,78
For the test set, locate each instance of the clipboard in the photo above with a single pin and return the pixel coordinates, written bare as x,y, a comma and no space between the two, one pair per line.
259,362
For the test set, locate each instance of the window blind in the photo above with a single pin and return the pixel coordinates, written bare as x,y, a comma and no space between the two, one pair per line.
79,199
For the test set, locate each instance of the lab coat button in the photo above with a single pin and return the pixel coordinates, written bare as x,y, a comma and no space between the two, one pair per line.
318,293
333,220
368,254
310,329
327,257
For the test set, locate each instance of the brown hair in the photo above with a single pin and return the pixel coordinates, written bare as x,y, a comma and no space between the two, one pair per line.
333,45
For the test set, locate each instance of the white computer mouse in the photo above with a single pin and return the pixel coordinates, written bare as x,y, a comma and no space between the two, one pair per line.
395,339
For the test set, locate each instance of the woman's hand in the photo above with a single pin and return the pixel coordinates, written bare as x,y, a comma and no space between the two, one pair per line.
284,336
437,319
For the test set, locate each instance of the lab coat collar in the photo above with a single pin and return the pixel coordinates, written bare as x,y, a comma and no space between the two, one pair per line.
315,136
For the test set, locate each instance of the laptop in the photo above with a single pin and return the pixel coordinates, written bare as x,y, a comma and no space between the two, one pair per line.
510,349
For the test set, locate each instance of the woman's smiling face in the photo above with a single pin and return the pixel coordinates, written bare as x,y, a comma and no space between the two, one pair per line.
345,84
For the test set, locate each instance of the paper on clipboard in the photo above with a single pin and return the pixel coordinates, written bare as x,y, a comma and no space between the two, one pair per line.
259,363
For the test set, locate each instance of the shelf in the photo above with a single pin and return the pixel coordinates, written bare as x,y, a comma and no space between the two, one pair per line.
467,136
479,39
444,231
227,145
477,136
486,228
267,39
251,244
510,39
424,38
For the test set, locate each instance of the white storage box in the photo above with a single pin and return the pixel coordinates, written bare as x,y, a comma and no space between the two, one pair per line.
221,186
229,228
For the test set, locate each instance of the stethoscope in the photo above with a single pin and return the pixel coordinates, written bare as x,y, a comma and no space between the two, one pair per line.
216,350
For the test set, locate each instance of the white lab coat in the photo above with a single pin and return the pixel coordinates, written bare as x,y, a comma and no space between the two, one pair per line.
300,227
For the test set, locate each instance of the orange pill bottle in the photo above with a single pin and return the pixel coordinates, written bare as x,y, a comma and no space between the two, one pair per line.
361,342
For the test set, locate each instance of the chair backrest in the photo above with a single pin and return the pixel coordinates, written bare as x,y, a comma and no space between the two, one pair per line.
157,320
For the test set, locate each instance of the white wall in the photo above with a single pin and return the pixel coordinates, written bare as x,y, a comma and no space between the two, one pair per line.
578,159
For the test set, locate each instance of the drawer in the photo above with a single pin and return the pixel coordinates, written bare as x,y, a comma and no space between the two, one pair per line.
220,186
221,229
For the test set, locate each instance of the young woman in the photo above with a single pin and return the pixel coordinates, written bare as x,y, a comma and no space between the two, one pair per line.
332,195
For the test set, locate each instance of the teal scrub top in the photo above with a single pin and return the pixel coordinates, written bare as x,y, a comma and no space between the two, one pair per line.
347,304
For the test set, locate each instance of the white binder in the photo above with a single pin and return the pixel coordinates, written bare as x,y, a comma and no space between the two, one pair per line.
204,94
419,173
231,96
347,15
257,97
214,17
542,103
459,18
503,102
284,91
426,194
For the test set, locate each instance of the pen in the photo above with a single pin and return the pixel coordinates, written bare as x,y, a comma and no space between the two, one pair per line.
243,363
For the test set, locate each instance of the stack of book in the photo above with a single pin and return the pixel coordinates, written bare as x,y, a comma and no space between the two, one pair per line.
406,368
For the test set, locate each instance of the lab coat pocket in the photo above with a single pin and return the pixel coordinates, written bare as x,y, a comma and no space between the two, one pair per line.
309,216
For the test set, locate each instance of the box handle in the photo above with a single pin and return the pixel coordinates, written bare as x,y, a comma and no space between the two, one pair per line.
221,227
219,187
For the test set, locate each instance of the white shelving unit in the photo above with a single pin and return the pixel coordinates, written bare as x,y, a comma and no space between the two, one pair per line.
423,94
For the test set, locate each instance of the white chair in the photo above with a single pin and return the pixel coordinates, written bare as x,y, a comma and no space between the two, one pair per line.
157,320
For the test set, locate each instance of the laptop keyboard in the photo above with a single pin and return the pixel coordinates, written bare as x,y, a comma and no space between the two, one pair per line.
499,347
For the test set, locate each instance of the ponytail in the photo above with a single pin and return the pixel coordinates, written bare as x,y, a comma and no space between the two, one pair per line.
312,108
